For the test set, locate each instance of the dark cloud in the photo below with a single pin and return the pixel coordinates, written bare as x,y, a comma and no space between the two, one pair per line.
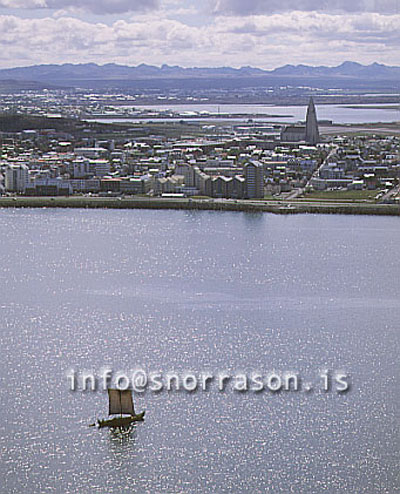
249,7
95,6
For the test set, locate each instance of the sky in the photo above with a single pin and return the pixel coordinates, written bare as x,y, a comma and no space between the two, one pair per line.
207,33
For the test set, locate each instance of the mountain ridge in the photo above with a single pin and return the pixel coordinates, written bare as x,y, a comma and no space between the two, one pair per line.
113,71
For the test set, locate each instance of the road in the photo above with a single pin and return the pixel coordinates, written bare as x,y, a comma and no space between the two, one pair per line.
332,152
390,195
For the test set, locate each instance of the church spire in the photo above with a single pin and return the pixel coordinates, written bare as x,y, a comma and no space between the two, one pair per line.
312,132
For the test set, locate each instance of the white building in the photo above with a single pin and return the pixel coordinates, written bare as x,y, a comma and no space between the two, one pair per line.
17,177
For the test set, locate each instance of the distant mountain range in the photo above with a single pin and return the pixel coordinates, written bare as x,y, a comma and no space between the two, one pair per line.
346,69
91,71
91,75
112,71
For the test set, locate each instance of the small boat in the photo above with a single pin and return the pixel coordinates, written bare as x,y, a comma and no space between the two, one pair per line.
120,403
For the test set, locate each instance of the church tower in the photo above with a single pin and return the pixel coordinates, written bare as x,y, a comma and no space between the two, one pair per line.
312,132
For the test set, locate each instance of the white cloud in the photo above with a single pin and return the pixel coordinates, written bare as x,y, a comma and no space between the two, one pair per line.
23,4
95,6
258,40
249,7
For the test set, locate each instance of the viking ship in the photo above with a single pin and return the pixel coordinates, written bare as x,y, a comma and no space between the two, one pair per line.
120,403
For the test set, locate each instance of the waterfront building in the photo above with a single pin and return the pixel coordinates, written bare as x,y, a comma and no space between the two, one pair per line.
136,185
85,185
238,187
16,178
254,179
187,171
187,191
202,182
220,187
110,185
48,186
168,185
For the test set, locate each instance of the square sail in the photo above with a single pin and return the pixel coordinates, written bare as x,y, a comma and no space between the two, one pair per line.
120,402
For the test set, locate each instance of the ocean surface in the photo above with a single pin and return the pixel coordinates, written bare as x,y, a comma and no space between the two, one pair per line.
185,291
340,114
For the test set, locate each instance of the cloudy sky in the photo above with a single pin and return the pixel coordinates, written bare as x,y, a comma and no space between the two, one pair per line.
260,33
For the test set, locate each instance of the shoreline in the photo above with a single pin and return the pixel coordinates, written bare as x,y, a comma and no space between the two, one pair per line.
250,206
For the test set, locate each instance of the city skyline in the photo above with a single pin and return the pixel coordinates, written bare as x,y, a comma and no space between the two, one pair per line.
217,33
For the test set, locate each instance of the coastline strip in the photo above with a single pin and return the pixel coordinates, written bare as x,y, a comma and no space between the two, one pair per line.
251,206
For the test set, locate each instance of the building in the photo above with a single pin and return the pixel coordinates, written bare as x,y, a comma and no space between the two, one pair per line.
238,187
112,185
85,185
168,185
308,133
202,182
99,168
187,171
81,168
17,177
254,180
293,133
312,131
47,186
91,152
132,186
221,187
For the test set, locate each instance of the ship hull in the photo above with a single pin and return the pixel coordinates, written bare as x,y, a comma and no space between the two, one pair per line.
121,421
